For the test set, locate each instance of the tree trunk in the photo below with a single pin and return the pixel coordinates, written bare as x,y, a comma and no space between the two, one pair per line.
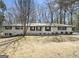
27,18
71,17
51,17
60,15
64,16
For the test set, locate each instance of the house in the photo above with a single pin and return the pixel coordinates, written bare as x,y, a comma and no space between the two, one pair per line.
36,29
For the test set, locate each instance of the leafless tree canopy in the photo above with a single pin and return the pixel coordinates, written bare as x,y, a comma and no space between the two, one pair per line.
49,11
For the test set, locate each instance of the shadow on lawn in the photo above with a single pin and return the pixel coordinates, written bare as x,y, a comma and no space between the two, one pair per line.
6,44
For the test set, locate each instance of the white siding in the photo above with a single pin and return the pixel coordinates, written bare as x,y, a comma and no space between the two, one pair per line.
54,29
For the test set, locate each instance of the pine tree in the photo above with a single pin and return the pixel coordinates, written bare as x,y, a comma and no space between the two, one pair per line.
2,10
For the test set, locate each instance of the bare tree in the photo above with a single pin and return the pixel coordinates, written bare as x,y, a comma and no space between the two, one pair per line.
51,4
25,10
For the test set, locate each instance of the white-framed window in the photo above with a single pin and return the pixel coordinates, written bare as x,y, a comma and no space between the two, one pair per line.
48,28
38,28
62,28
8,27
8,34
32,28
19,27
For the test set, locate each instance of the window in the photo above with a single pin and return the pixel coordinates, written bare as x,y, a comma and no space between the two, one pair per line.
18,27
38,28
32,28
62,28
10,34
6,34
8,27
48,28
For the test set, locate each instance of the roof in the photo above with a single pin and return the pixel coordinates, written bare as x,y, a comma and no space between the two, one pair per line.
37,24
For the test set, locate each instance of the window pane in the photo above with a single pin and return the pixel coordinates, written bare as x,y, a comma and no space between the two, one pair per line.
6,34
38,28
62,28
32,28
8,27
10,34
18,27
47,28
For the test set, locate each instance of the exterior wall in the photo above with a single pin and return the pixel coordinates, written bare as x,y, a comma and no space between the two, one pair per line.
13,31
69,29
54,29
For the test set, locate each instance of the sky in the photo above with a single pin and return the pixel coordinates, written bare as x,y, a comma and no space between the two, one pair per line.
10,3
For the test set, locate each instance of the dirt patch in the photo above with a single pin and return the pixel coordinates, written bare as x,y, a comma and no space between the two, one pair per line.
42,46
